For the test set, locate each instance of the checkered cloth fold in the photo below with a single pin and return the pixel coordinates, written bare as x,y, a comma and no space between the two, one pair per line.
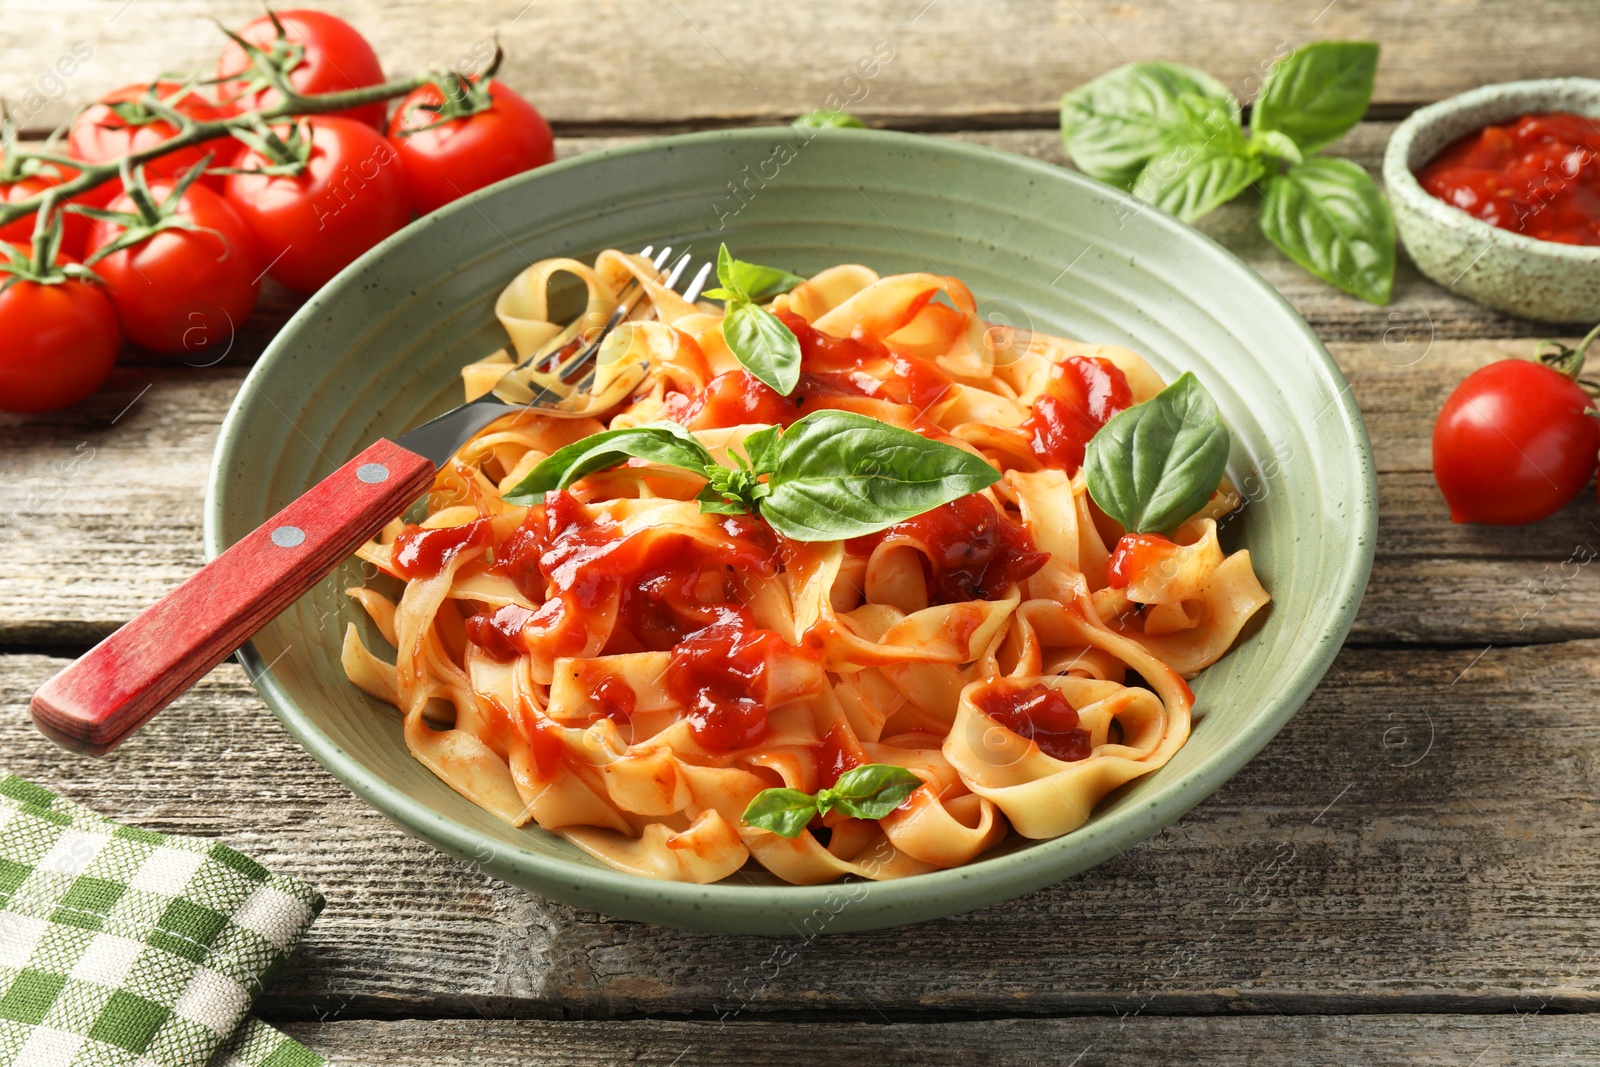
125,948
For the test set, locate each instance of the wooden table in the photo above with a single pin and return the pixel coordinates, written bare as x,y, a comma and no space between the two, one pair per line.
1404,875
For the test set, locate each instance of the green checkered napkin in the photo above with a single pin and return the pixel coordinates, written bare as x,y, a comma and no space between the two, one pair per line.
125,948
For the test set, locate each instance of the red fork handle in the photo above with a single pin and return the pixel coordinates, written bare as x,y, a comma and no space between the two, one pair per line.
116,687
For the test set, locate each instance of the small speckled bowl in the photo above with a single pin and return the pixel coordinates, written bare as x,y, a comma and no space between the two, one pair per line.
1497,268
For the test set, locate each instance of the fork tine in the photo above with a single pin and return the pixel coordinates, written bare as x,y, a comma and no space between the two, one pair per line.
677,271
693,292
587,352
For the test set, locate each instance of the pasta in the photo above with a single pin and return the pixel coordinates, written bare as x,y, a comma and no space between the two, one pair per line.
631,672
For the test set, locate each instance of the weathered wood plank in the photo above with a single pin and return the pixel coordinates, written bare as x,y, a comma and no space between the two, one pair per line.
1315,1041
698,61
1419,838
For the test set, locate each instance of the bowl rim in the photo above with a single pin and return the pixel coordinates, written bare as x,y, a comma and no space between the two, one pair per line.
895,902
1401,180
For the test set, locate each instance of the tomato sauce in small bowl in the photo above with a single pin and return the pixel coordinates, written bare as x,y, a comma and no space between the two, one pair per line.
1537,175
1496,196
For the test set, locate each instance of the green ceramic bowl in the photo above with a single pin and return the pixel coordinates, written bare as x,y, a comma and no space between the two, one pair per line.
378,350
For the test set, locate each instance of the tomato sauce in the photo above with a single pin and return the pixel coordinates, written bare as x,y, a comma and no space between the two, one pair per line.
420,553
866,366
496,632
835,755
1038,713
974,553
615,697
578,562
1537,176
1082,395
1135,555
830,367
715,674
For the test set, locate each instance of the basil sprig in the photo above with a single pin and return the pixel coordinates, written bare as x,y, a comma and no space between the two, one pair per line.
1172,136
870,791
1155,464
1327,216
830,476
757,338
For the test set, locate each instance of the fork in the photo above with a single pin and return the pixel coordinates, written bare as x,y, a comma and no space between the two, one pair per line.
102,698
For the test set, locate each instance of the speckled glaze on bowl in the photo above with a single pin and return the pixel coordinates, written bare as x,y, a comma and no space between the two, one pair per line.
1498,268
379,349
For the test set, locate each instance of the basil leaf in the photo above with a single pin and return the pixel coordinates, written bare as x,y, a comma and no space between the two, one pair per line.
1317,93
761,449
1155,464
763,283
658,442
1191,180
727,274
836,474
783,811
823,116
759,340
870,791
1327,215
1113,126
1275,144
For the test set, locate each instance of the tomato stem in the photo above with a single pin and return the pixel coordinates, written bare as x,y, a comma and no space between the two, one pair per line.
191,133
1565,360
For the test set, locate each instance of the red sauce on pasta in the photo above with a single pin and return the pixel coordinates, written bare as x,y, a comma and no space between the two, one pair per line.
736,398
548,750
614,697
1081,397
1040,714
1135,555
973,552
835,755
714,674
1538,175
865,366
496,632
420,553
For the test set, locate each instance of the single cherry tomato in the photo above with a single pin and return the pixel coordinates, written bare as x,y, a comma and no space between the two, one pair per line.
1515,442
120,123
350,195
495,134
58,334
180,289
321,54
20,230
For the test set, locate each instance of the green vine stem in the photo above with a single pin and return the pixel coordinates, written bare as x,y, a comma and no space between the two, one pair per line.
1562,359
190,133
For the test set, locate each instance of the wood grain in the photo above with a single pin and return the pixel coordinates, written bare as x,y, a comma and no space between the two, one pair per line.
697,62
1332,1041
1418,839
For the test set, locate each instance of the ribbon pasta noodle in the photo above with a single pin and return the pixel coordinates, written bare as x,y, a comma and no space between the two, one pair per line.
629,672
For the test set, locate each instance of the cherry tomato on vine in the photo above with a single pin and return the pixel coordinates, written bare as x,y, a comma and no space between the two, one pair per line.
350,193
476,135
188,284
320,53
58,333
120,123
1516,441
20,230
